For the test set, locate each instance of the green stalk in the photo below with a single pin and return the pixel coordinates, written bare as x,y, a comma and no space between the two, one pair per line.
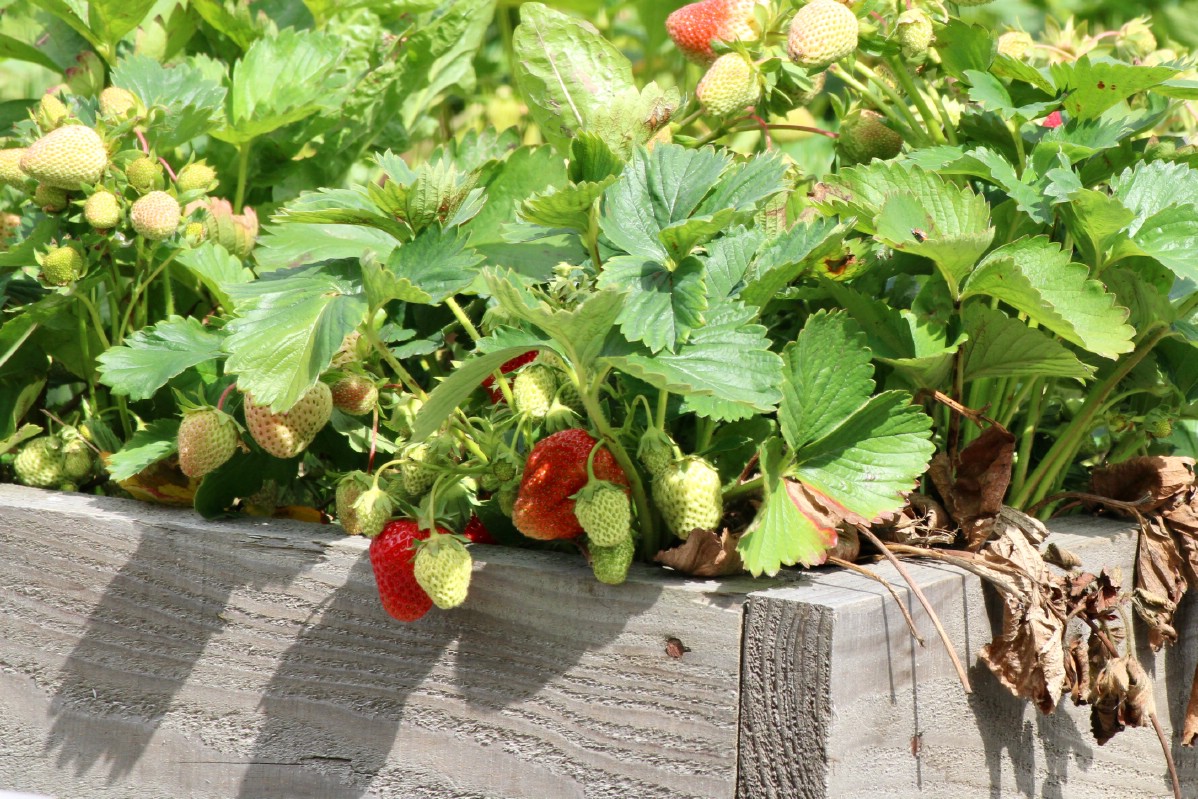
505,386
1052,468
929,119
1028,436
950,129
404,376
243,169
650,539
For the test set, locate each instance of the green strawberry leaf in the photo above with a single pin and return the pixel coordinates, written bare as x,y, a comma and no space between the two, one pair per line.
287,245
566,71
728,261
658,189
948,225
458,387
341,207
783,259
530,183
240,477
726,370
151,357
1036,277
580,333
156,441
283,79
1151,187
1000,346
964,47
289,326
438,54
873,459
916,347
988,92
215,267
828,375
192,100
22,434
790,527
1093,86
112,19
663,306
566,207
438,262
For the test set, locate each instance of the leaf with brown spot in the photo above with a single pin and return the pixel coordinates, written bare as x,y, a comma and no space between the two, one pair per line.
974,492
704,554
1154,476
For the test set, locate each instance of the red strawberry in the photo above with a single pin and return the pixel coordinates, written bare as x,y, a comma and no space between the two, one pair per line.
1053,120
394,560
693,26
508,366
556,470
477,532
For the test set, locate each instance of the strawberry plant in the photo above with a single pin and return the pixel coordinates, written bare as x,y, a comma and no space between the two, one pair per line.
747,277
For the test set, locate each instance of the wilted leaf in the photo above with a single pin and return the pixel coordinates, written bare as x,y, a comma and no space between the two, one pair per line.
973,494
1028,657
704,554
1155,478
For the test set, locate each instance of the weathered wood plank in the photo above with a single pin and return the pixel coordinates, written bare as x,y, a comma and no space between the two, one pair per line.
900,724
145,653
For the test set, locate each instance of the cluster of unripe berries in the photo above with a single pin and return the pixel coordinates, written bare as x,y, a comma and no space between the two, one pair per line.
71,164
62,461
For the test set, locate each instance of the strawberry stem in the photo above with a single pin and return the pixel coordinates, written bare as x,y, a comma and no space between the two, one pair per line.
374,438
220,403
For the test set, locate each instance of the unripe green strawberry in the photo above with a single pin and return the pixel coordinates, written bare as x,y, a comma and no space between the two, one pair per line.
145,174
372,510
50,199
355,394
822,33
730,85
1135,40
414,474
443,570
51,112
533,390
66,157
196,177
1158,424
1015,44
349,488
102,210
193,233
506,498
117,103
913,31
40,463
655,451
77,461
610,564
155,216
207,439
603,510
11,173
289,433
864,137
61,266
689,497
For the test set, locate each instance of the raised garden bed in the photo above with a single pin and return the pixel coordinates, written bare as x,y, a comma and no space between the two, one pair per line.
149,653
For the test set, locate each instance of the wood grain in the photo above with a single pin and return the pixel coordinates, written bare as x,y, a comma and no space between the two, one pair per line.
146,653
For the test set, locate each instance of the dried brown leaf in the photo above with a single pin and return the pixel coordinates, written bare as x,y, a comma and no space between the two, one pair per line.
1158,574
1122,697
704,554
974,491
1077,670
1189,730
921,522
1028,656
1182,519
1155,477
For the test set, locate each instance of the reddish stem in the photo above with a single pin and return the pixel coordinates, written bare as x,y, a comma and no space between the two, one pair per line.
220,403
765,131
145,146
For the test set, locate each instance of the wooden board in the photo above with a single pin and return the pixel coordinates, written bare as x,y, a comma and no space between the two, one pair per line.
146,653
